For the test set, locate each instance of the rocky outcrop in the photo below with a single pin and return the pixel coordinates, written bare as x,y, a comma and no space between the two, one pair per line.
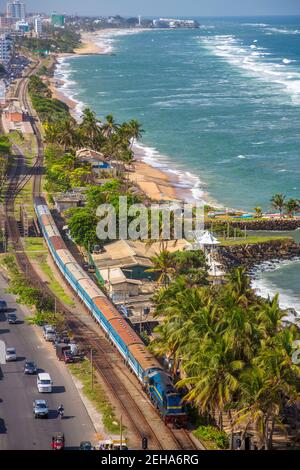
253,254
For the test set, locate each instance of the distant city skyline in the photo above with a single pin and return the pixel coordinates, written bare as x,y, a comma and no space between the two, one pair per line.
167,7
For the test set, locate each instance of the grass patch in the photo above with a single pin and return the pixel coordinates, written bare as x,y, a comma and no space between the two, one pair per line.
82,371
35,244
252,240
212,437
28,147
37,252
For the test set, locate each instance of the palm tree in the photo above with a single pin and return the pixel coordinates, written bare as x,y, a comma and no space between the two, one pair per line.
239,285
270,317
164,266
110,126
278,201
258,211
90,128
135,131
212,380
291,207
64,132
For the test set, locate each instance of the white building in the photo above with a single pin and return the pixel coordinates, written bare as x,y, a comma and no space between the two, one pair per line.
16,9
22,26
5,49
38,28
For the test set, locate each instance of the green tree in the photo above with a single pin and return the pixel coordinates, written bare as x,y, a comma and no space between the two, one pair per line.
83,226
292,206
278,201
164,266
90,130
258,212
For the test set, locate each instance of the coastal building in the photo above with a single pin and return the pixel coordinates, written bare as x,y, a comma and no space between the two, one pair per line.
14,113
15,118
16,10
6,49
174,23
38,26
97,160
7,22
69,200
2,93
22,27
133,257
58,21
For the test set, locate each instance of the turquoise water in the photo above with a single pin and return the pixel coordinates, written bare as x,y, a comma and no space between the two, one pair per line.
220,107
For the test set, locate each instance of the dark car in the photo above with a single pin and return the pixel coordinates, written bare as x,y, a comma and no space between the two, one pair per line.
86,445
30,368
12,318
3,306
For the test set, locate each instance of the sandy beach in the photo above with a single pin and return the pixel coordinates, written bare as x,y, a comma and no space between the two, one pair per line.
89,46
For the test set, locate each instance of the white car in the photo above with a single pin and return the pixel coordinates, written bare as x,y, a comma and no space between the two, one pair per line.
10,355
44,383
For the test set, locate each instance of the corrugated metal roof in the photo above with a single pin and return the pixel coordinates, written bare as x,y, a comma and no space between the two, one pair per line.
126,333
144,357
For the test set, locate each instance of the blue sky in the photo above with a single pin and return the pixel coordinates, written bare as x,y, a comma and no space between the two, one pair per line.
168,7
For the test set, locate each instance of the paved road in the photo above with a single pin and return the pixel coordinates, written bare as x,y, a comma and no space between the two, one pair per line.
18,428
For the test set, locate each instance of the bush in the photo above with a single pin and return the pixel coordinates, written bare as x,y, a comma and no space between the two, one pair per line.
213,435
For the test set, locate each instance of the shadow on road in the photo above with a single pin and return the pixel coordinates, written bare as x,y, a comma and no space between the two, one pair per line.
20,359
2,316
3,429
58,389
52,414
67,417
3,331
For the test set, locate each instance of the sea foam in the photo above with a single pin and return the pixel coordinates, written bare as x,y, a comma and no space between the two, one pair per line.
253,61
265,288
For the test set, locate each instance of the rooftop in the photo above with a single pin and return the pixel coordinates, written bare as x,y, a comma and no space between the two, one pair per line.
124,253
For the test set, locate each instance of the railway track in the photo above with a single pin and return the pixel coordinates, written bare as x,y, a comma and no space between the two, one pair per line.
103,350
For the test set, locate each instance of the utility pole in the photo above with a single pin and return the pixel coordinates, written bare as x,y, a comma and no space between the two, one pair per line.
4,239
141,319
92,370
121,432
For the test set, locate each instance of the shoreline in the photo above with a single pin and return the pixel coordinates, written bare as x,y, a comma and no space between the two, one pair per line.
156,183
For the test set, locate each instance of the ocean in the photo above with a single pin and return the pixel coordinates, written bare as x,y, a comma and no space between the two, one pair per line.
220,107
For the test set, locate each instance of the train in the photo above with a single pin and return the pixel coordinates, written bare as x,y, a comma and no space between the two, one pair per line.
154,379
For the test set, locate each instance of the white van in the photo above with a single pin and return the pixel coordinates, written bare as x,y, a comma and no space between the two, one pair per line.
49,333
44,383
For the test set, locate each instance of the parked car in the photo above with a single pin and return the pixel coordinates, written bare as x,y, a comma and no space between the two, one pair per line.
30,368
12,318
86,445
49,333
3,306
44,383
10,355
40,409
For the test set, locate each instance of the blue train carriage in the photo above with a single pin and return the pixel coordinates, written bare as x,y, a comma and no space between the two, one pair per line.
165,397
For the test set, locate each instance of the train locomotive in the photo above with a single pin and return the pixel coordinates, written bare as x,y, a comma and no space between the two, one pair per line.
148,370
